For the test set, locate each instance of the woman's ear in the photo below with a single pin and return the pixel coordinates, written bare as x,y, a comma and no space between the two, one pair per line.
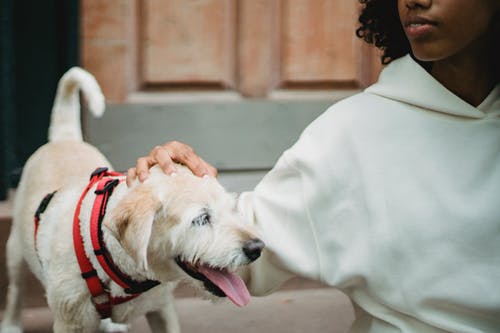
131,222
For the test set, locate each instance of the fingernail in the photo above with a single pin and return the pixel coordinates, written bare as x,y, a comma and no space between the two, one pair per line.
173,174
206,176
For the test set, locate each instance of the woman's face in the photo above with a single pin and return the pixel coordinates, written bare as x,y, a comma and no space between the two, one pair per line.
438,29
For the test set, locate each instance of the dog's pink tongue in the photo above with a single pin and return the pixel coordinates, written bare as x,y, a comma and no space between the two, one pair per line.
231,284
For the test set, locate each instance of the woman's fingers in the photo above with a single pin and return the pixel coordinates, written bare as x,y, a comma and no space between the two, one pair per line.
131,175
141,169
166,156
179,152
142,165
210,170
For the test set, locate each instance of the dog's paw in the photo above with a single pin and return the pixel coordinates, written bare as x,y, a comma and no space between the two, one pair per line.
108,326
4,328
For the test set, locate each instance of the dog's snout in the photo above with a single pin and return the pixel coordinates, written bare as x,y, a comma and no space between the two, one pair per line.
253,248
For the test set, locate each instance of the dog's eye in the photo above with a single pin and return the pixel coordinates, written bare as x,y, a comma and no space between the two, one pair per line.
201,220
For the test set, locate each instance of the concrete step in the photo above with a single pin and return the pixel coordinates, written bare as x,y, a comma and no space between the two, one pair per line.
291,311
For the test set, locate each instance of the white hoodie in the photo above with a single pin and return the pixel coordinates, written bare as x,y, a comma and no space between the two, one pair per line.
393,196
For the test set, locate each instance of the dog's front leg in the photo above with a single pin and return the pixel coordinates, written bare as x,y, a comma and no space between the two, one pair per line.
73,311
164,320
61,326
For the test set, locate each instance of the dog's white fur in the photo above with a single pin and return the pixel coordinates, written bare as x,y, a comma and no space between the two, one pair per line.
145,227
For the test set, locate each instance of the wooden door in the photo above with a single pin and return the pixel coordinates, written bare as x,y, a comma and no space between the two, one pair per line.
252,47
154,52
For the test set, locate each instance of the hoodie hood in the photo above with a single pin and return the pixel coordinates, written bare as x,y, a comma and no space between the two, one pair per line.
422,90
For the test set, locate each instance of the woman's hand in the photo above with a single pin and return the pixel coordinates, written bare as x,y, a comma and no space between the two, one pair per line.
166,156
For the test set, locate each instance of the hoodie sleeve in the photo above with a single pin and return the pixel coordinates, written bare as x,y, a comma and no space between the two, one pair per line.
283,208
278,209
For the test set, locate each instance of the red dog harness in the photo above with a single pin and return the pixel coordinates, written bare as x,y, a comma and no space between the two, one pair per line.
102,298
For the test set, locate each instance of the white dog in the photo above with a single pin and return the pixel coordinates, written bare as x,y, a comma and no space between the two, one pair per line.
138,241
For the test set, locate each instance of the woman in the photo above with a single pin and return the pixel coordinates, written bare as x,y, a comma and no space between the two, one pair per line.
392,195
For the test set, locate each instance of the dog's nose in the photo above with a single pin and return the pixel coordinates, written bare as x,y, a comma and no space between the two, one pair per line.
253,248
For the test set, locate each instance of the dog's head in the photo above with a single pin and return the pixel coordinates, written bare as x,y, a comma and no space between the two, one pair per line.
185,226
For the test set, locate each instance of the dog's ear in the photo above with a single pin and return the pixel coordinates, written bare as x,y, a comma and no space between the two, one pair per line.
131,222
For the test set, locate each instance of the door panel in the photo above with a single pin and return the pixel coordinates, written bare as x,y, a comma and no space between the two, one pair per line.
318,42
188,42
258,46
109,39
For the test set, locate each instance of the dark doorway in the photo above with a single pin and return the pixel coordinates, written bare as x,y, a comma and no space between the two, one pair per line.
38,43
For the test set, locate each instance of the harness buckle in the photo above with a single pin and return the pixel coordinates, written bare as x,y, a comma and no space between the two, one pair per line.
98,172
89,274
110,185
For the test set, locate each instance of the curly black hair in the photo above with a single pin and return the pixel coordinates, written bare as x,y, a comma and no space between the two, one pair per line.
380,26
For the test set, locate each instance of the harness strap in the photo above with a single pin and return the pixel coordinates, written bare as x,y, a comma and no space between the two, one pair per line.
94,285
101,297
104,190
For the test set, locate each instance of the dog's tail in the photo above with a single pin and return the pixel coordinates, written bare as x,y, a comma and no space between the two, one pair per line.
65,119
